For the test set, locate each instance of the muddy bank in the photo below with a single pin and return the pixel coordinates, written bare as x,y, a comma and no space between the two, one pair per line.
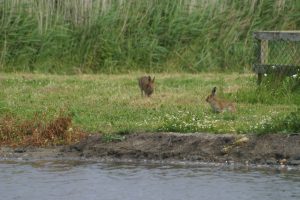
245,149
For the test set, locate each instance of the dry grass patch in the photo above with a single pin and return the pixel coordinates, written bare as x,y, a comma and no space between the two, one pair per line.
38,131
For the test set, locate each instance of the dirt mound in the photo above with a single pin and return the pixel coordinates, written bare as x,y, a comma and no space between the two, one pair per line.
267,149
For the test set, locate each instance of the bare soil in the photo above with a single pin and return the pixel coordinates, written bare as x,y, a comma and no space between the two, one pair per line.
268,149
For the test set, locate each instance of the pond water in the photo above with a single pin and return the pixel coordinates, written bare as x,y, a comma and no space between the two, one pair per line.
129,181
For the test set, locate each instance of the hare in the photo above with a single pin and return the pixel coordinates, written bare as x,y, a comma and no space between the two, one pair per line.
219,105
146,85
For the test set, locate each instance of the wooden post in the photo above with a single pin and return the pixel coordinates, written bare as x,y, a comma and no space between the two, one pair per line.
259,78
264,54
264,51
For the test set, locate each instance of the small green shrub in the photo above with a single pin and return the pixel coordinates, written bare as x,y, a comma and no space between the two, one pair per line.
281,124
111,137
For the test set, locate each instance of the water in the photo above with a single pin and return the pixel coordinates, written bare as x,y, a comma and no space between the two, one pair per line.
129,181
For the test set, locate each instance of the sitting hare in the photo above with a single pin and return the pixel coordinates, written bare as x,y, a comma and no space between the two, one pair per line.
219,105
146,85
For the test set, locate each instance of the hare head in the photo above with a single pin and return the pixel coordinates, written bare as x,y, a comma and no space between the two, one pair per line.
211,97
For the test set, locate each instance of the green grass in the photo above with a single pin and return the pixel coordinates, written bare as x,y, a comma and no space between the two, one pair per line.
75,36
113,104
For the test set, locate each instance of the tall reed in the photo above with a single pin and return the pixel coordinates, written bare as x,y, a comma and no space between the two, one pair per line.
69,36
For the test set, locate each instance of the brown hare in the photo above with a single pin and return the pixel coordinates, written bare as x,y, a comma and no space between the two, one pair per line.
219,105
146,85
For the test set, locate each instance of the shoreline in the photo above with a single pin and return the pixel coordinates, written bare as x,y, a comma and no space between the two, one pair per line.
270,149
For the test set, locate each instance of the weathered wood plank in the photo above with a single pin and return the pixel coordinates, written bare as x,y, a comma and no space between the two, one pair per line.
277,35
264,52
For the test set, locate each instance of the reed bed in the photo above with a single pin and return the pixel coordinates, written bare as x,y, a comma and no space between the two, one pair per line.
84,36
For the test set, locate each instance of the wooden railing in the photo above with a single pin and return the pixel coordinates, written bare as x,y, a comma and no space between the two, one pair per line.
287,44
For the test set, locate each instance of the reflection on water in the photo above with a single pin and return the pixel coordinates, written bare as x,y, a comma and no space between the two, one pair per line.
97,180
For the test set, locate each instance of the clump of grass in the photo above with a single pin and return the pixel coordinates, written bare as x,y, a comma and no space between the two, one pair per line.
289,123
187,121
38,132
272,90
112,137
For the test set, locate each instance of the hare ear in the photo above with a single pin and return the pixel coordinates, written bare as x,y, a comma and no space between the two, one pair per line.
213,92
153,79
149,78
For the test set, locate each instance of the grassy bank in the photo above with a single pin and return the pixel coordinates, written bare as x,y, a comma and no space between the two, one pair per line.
113,103
120,36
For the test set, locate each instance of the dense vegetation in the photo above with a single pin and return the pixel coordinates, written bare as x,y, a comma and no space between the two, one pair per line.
73,36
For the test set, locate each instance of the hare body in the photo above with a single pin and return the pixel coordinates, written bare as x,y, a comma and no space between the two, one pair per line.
146,85
219,105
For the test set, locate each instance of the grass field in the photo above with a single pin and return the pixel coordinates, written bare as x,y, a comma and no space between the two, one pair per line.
113,104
